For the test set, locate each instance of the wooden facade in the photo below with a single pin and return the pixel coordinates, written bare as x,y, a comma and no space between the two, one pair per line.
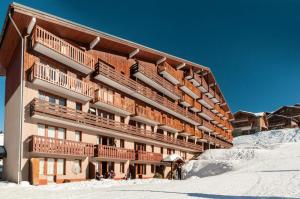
109,100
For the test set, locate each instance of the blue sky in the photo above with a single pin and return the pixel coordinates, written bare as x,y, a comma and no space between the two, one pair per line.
251,46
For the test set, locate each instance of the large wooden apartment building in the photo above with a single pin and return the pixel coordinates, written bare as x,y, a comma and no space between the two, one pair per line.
80,101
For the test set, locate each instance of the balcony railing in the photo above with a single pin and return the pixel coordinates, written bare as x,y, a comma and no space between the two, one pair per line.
47,145
205,101
158,82
63,49
206,126
198,133
135,89
196,107
110,152
170,73
206,113
86,120
114,99
186,100
149,156
55,77
172,122
189,130
148,113
190,89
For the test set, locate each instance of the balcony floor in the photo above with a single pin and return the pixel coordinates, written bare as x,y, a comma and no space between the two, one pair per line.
205,116
61,90
168,128
143,119
204,103
61,58
204,128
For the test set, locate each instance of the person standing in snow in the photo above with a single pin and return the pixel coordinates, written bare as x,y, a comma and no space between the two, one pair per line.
179,171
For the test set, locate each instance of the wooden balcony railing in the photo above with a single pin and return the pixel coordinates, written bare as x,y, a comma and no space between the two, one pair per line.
54,76
172,122
197,105
110,73
188,99
103,151
47,145
207,125
207,101
198,133
62,47
38,106
189,129
147,112
172,71
151,72
203,84
191,87
149,156
115,99
207,112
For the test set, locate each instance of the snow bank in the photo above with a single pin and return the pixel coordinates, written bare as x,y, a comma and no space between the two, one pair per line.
246,149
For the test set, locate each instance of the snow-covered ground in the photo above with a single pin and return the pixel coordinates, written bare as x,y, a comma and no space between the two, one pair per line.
264,165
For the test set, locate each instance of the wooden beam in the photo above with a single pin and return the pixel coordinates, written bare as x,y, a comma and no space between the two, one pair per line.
94,42
180,66
161,60
31,25
133,53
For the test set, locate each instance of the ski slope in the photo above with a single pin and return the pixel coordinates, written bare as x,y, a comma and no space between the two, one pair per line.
264,165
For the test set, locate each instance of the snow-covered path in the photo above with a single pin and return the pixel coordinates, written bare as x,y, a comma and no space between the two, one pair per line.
271,171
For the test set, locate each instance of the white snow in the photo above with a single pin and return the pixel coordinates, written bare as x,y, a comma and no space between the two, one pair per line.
172,158
264,165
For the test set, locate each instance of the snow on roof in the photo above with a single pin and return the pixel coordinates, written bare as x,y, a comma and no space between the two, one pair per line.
259,114
172,158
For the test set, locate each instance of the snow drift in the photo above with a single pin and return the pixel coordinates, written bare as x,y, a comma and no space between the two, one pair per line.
247,149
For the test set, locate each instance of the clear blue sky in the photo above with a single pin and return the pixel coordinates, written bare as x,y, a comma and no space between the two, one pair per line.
253,47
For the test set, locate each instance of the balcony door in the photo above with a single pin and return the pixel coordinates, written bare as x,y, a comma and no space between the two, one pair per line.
139,146
50,169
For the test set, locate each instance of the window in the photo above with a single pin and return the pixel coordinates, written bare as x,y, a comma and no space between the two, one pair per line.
152,168
98,141
122,143
50,166
141,169
60,167
52,98
78,136
51,132
122,119
41,166
61,133
170,151
77,166
78,106
122,167
152,148
41,130
152,128
62,102
162,150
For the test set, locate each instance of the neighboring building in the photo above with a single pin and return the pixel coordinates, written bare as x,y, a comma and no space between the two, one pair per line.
285,117
92,102
245,123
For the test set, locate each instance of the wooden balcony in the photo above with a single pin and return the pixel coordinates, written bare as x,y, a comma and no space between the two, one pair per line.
146,115
148,156
56,81
196,107
205,101
170,73
44,111
108,75
110,152
149,75
198,133
112,101
59,147
216,109
210,93
188,130
216,120
186,100
206,113
216,98
203,87
206,126
56,48
171,124
190,89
